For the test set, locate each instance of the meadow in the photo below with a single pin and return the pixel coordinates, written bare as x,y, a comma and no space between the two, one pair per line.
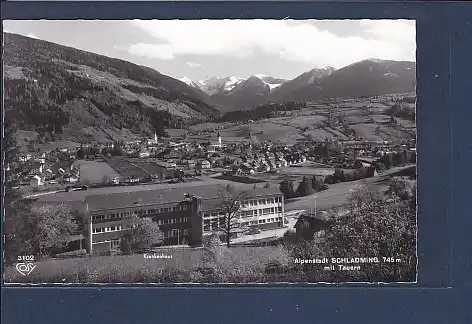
235,264
94,172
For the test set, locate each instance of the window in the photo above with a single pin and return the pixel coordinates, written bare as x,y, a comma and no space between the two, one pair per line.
266,211
98,230
185,231
272,210
184,207
271,200
206,228
175,208
260,221
280,209
115,244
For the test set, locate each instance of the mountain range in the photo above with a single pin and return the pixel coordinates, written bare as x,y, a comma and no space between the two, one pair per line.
82,94
366,78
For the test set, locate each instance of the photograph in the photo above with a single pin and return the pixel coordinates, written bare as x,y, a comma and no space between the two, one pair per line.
209,152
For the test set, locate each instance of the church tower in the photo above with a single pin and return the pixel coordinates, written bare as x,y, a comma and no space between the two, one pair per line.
219,139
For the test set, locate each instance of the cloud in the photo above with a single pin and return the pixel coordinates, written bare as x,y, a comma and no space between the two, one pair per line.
385,39
30,35
193,64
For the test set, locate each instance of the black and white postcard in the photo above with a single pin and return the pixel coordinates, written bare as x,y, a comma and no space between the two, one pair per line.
209,151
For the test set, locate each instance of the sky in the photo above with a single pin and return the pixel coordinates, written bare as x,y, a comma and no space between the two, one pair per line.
199,49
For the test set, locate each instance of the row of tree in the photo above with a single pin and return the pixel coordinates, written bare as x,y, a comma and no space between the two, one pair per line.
261,112
306,187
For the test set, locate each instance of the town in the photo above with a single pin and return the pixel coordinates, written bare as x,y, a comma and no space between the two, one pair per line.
229,179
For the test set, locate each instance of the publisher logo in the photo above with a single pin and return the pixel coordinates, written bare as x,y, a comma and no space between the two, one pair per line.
25,268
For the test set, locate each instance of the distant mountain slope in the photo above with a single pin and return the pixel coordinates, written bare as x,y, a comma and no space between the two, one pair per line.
366,78
215,85
247,93
65,90
189,82
301,81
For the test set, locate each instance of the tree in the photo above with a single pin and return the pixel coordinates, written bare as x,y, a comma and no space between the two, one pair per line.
286,187
376,228
398,159
140,233
229,202
402,188
80,152
339,175
106,180
387,160
305,187
360,173
42,230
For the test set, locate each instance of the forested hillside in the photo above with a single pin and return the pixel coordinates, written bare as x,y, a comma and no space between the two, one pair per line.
81,95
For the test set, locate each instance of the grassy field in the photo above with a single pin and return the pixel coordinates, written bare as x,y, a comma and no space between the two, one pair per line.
75,196
136,268
361,115
126,168
94,172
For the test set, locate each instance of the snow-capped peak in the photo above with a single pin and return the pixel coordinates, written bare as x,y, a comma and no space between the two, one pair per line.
232,82
270,81
186,80
189,82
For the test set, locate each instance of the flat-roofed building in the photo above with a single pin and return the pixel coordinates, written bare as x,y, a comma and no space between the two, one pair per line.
182,213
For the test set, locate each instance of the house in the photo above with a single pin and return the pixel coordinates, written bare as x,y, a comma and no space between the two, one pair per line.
36,181
204,164
191,164
144,154
183,214
264,167
247,169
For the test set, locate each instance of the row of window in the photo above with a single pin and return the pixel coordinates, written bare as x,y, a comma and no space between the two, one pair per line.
263,201
140,212
113,243
215,225
263,221
175,233
172,220
106,229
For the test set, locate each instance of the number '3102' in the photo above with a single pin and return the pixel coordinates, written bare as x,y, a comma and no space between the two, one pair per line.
26,258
